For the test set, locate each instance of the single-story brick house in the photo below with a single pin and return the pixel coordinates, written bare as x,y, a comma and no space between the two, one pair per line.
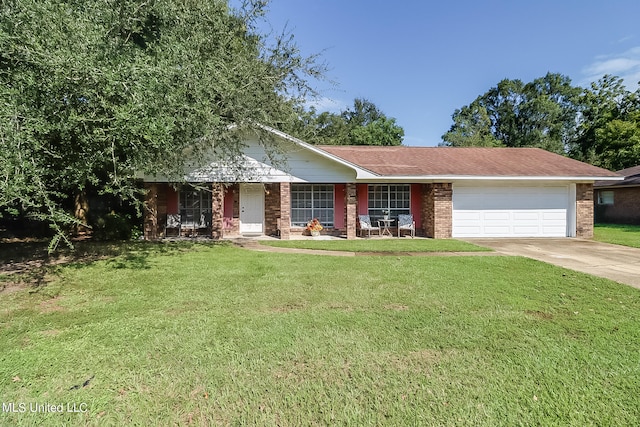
618,202
451,192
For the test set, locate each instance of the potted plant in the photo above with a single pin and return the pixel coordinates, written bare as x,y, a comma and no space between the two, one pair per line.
385,214
314,227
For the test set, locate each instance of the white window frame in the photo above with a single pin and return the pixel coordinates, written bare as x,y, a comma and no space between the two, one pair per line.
605,197
195,204
309,201
394,198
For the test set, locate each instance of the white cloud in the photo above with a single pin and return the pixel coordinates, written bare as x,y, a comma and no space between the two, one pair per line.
625,65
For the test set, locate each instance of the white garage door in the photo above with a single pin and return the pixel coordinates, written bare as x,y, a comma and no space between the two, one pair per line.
510,211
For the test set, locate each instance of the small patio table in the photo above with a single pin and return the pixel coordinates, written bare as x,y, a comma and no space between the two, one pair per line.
386,223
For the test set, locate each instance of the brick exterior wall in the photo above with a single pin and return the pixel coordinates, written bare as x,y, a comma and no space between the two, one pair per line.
232,224
624,210
271,209
437,210
217,211
351,210
285,210
584,210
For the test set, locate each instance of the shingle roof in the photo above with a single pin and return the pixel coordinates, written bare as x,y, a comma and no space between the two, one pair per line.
464,161
631,178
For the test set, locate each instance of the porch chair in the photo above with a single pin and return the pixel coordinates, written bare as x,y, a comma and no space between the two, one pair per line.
406,222
203,224
173,222
365,225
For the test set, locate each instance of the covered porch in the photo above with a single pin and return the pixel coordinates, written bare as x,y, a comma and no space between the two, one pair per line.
281,210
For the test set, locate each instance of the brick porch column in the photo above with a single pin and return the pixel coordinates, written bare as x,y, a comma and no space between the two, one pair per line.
437,210
584,211
217,210
285,211
151,211
351,210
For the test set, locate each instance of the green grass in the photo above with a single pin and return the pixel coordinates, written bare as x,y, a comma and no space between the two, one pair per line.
216,335
380,245
619,234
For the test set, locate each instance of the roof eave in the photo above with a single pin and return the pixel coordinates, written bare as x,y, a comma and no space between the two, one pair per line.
447,178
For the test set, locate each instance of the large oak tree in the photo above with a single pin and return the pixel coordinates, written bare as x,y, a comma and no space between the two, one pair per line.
92,91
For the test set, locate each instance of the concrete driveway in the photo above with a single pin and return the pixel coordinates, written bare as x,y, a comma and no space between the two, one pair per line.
619,263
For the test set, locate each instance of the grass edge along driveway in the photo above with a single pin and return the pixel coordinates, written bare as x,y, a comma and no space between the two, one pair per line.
618,234
217,335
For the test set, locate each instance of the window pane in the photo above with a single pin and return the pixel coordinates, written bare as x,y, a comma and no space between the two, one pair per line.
386,199
194,206
605,197
310,201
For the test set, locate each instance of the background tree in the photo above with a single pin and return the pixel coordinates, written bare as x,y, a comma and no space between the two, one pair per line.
541,113
609,125
471,128
93,91
362,124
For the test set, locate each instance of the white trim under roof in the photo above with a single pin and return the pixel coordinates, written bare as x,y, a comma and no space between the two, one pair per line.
453,178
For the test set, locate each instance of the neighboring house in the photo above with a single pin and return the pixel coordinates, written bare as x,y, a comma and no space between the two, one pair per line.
451,192
618,202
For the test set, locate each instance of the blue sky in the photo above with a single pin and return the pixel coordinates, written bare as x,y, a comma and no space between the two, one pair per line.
419,60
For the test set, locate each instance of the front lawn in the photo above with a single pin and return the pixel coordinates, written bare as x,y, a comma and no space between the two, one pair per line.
619,234
217,335
380,245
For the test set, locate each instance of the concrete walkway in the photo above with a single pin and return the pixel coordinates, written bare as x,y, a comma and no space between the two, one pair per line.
254,245
615,262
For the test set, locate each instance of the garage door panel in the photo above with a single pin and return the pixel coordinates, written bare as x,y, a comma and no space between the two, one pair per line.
525,230
558,215
554,231
495,216
526,216
470,231
497,230
510,211
468,215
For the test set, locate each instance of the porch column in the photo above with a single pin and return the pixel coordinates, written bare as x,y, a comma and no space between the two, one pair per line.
351,210
584,211
151,211
285,211
217,210
437,210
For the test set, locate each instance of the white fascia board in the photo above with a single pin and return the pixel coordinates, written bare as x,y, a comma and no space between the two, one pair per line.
453,178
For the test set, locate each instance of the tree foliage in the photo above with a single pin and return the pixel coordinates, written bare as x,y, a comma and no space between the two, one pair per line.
361,124
599,125
541,113
472,128
92,91
609,129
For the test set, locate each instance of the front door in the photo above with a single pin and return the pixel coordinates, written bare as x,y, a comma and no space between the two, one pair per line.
251,209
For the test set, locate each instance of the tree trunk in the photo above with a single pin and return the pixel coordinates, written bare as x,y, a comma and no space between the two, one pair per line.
81,211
